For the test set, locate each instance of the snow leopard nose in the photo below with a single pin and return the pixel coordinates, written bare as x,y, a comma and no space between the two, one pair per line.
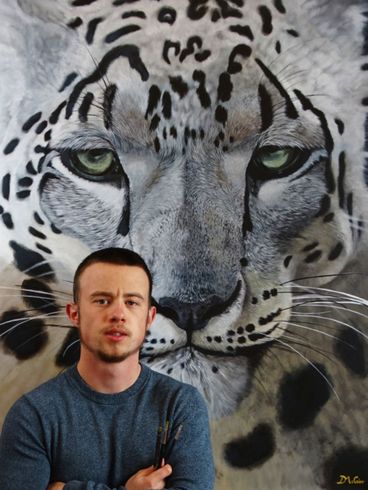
194,316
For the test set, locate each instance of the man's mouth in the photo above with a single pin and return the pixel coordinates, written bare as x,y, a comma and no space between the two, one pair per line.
116,334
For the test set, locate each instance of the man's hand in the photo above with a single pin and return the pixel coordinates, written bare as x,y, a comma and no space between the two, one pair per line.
149,478
57,485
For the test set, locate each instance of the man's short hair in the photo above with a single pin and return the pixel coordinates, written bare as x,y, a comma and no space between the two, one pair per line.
118,256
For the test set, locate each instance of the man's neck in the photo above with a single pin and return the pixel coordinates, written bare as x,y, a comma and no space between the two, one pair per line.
109,377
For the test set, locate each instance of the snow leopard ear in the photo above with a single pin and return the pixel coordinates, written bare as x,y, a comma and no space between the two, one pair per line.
48,11
35,46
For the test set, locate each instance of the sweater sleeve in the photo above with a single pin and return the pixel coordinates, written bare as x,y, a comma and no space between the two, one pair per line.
191,454
24,462
23,459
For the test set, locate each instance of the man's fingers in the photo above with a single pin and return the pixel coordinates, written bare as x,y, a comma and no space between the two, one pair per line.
163,472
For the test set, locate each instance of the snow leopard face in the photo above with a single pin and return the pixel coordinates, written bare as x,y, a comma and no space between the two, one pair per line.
221,140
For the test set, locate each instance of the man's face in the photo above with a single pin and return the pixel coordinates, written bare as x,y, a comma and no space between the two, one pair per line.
112,311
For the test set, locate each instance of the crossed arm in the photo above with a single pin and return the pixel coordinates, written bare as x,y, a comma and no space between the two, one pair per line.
145,479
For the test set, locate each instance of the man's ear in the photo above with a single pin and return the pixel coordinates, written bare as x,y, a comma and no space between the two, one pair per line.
151,316
73,313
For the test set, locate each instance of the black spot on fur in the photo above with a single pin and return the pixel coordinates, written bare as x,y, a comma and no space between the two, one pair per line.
349,461
340,125
302,394
122,31
133,13
91,29
278,4
341,179
23,194
70,350
169,45
225,87
68,80
173,132
287,260
55,229
38,219
31,121
252,450
30,262
43,248
313,257
85,106
227,10
74,23
154,96
292,32
25,182
215,15
204,98
11,146
30,168
351,349
81,3
197,9
167,14
5,187
41,127
155,121
179,86
166,105
7,220
265,101
54,117
36,233
310,247
325,205
336,251
239,50
109,97
242,31
266,16
23,336
157,144
38,295
221,114
329,217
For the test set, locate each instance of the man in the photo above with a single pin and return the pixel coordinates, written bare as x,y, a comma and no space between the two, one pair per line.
95,425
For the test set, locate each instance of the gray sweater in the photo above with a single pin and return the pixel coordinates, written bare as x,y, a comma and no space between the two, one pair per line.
65,431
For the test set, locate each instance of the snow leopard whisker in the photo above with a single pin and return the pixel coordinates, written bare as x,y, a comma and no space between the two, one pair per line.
338,274
340,322
337,308
25,320
69,346
47,294
304,325
361,300
285,344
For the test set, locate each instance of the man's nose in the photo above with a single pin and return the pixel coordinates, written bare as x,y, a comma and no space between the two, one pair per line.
118,311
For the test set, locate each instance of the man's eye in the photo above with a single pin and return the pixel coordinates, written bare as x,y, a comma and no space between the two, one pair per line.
101,301
132,303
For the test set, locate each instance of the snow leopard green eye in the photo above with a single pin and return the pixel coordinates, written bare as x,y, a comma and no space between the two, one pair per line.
98,164
270,162
94,162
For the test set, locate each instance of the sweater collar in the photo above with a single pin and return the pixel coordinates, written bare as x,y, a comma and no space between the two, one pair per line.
77,381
